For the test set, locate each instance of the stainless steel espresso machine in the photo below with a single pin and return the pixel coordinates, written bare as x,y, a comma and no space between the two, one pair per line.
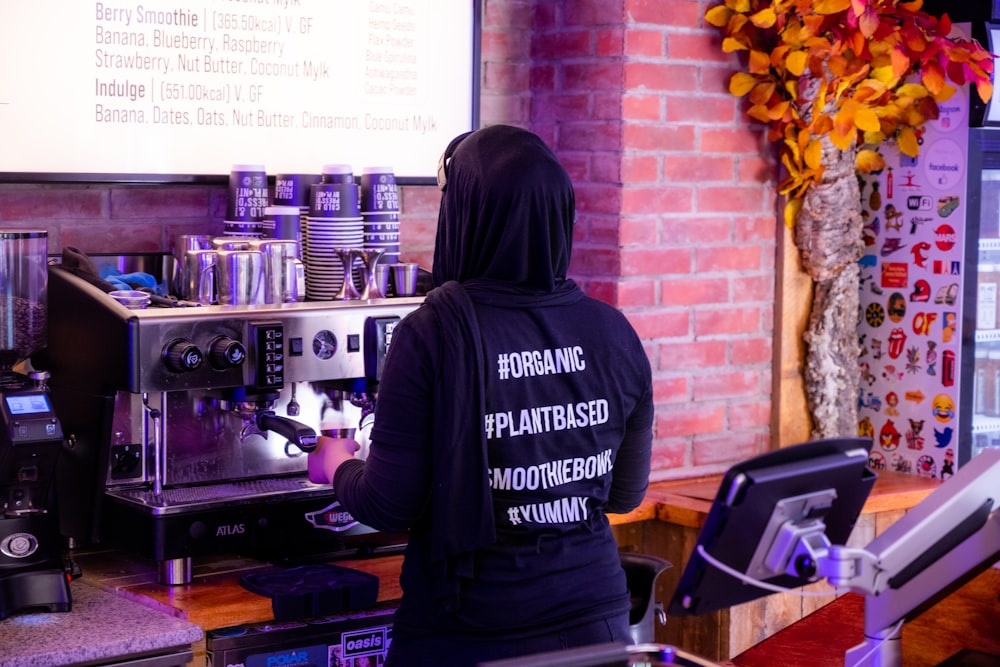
187,426
33,572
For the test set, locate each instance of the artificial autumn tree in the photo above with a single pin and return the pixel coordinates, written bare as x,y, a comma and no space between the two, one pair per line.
833,79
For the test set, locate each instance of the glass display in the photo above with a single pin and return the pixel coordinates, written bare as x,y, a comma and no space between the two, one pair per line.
986,352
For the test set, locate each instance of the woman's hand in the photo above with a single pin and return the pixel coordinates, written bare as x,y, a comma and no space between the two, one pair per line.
327,457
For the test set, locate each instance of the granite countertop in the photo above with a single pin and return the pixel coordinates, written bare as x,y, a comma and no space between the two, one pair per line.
101,627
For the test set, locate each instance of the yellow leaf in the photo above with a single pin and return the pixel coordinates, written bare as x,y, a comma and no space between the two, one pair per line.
731,44
946,93
869,161
885,75
831,6
760,62
742,6
792,208
741,83
796,62
874,138
814,154
914,90
907,142
718,15
865,119
765,18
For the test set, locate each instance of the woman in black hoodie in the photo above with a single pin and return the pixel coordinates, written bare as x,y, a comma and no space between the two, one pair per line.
513,412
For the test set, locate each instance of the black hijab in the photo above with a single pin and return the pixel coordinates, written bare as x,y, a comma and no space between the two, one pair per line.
507,212
505,233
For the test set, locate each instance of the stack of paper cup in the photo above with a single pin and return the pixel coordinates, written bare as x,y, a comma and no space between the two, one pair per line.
248,197
380,211
294,190
334,221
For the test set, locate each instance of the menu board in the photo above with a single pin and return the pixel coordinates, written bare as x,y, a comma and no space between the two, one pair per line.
177,90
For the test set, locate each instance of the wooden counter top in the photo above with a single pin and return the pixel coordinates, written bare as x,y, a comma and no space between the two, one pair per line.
687,502
969,619
216,599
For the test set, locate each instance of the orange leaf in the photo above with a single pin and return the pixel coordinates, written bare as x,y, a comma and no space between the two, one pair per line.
869,161
731,44
760,62
762,92
830,6
741,83
742,6
985,89
777,111
900,62
765,18
933,77
866,120
843,129
718,16
760,112
907,142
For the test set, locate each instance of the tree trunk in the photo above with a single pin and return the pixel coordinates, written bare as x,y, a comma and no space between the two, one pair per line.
828,234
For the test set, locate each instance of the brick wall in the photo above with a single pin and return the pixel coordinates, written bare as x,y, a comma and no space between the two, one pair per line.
675,192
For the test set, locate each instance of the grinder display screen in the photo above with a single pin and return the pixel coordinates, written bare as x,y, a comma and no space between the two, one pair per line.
27,404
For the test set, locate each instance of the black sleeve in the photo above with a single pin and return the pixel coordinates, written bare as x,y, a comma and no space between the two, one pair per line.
630,473
390,490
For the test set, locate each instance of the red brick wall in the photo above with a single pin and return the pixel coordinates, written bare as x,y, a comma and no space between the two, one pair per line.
677,210
675,191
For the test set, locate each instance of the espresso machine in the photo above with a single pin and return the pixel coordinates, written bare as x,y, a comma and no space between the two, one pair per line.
33,572
187,427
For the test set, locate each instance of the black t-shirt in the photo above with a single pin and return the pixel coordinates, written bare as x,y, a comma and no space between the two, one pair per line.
568,428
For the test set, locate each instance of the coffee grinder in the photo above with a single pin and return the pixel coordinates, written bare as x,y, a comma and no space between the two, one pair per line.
33,573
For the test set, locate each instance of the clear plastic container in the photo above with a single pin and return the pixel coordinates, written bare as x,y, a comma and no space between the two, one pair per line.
23,295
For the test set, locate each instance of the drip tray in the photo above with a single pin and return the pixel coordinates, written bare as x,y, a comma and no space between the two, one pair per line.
221,495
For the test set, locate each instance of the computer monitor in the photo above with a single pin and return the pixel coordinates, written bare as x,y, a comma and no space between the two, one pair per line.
763,507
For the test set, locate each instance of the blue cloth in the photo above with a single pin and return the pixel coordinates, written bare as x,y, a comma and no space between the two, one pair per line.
130,281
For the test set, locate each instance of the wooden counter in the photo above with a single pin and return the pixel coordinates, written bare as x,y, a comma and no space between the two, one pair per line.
968,619
665,525
680,509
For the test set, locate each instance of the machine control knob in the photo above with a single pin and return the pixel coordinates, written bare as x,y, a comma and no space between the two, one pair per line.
19,545
224,352
182,356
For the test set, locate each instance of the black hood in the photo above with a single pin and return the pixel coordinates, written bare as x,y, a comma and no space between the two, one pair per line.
507,212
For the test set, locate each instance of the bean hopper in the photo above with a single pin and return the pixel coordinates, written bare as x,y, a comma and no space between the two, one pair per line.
32,571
